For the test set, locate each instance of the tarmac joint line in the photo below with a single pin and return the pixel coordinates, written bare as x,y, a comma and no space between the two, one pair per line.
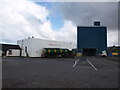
91,64
75,63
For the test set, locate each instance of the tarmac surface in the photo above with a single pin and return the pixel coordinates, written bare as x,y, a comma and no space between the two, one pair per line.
83,72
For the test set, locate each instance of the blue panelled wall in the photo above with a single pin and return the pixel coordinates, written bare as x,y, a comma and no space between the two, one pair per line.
92,37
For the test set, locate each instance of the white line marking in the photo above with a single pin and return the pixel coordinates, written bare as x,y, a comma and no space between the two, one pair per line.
91,64
75,63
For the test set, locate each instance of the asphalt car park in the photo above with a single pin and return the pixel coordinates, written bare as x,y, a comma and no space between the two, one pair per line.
83,72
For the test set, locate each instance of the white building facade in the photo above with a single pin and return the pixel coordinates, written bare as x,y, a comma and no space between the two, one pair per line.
33,47
13,52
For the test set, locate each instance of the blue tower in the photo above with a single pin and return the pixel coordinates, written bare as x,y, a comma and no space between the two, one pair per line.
91,40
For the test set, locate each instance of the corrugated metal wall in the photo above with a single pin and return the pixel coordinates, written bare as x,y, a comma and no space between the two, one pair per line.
92,37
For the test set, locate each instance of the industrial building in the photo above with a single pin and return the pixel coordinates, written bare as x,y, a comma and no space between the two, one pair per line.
9,50
91,40
33,47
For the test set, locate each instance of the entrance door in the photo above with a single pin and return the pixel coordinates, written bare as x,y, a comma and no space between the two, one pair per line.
26,51
89,52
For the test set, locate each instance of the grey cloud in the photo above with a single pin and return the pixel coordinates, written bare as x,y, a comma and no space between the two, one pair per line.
85,13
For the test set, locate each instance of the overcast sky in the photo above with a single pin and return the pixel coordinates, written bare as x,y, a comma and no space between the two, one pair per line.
54,21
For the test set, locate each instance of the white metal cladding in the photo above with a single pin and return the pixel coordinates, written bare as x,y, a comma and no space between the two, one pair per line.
35,46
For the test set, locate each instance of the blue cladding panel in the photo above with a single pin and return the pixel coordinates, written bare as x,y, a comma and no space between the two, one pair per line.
92,37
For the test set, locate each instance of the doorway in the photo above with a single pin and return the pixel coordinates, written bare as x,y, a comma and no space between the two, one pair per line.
89,52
